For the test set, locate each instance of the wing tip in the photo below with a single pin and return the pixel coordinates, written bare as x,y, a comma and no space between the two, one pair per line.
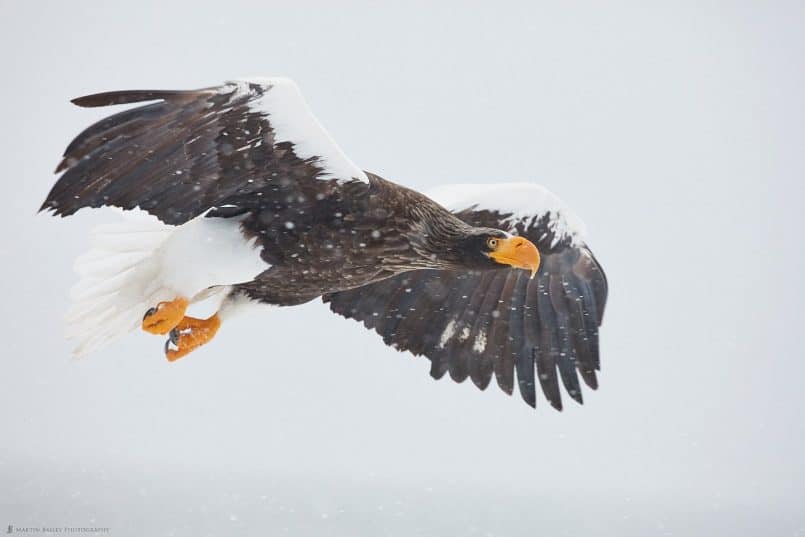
52,207
590,378
109,98
528,393
94,100
48,207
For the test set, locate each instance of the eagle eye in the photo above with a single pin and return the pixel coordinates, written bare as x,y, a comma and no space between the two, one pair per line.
492,243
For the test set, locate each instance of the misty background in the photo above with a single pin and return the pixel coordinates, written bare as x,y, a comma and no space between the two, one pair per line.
675,130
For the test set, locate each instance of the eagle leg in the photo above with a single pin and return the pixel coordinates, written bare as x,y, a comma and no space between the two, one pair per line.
190,334
165,316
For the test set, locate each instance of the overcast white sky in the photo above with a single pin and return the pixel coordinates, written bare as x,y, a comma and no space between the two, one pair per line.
676,131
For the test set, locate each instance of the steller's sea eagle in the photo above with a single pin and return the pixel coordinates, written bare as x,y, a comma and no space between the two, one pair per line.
237,192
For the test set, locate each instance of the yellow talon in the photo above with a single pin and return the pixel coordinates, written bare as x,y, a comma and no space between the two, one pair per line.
165,316
190,334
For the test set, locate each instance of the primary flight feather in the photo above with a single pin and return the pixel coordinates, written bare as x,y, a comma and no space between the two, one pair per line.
238,192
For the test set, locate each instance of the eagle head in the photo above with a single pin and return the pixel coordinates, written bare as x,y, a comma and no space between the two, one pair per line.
483,248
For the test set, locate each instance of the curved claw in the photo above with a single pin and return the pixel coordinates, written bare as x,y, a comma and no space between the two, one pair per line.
189,335
164,317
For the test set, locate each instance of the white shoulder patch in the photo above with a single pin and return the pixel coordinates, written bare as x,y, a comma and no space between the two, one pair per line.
293,121
522,201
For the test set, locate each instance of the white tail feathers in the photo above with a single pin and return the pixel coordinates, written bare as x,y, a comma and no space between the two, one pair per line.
139,262
120,280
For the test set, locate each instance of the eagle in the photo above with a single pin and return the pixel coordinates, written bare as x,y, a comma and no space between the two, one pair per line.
238,195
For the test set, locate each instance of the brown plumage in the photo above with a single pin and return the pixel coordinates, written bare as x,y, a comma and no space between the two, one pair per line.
427,280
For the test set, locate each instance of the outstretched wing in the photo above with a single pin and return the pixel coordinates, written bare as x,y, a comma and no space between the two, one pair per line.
244,144
479,323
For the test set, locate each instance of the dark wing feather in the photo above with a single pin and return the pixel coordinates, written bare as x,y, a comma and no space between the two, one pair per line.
189,151
476,324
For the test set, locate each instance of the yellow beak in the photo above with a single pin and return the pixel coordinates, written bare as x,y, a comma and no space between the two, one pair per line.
517,252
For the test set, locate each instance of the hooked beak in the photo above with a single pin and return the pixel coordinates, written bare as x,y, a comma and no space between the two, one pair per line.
517,252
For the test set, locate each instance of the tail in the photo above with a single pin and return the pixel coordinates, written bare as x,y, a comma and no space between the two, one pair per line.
120,280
